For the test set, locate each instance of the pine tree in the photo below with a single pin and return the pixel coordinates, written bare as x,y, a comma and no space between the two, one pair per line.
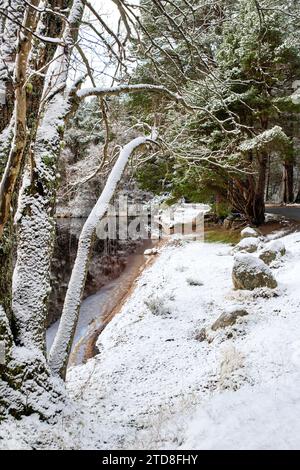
239,93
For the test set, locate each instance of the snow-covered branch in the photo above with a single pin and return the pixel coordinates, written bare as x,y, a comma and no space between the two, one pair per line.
140,87
60,350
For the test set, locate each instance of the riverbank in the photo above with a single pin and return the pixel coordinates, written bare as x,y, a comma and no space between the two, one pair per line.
156,384
118,292
98,309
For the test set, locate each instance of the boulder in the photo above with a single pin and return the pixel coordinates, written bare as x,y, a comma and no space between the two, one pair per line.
249,232
251,273
249,245
228,318
272,251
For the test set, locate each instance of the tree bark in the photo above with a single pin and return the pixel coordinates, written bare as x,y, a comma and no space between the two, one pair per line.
8,48
31,280
258,217
248,195
49,25
6,268
268,178
288,182
13,165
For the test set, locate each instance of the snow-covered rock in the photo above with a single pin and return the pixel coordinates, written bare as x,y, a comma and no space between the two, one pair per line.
251,273
249,232
249,245
272,251
229,318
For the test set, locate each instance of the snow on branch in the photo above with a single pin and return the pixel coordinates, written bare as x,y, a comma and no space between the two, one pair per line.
23,27
118,89
275,136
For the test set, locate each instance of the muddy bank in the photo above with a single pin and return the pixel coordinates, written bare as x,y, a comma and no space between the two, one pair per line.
106,303
108,261
97,309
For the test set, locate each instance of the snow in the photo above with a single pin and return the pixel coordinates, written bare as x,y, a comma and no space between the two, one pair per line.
150,251
182,213
8,41
275,245
154,386
76,12
118,89
277,234
247,243
264,418
49,40
262,140
249,232
250,263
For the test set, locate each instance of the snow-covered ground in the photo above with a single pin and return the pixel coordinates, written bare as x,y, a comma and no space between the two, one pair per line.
155,385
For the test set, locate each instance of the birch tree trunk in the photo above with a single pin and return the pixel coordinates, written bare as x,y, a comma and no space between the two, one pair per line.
9,33
13,165
14,49
60,351
31,279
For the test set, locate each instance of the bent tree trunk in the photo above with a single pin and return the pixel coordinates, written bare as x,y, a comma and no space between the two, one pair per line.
31,280
61,347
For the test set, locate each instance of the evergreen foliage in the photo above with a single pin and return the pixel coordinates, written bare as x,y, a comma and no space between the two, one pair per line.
236,66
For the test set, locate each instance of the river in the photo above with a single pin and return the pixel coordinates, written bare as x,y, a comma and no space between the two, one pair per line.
97,309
